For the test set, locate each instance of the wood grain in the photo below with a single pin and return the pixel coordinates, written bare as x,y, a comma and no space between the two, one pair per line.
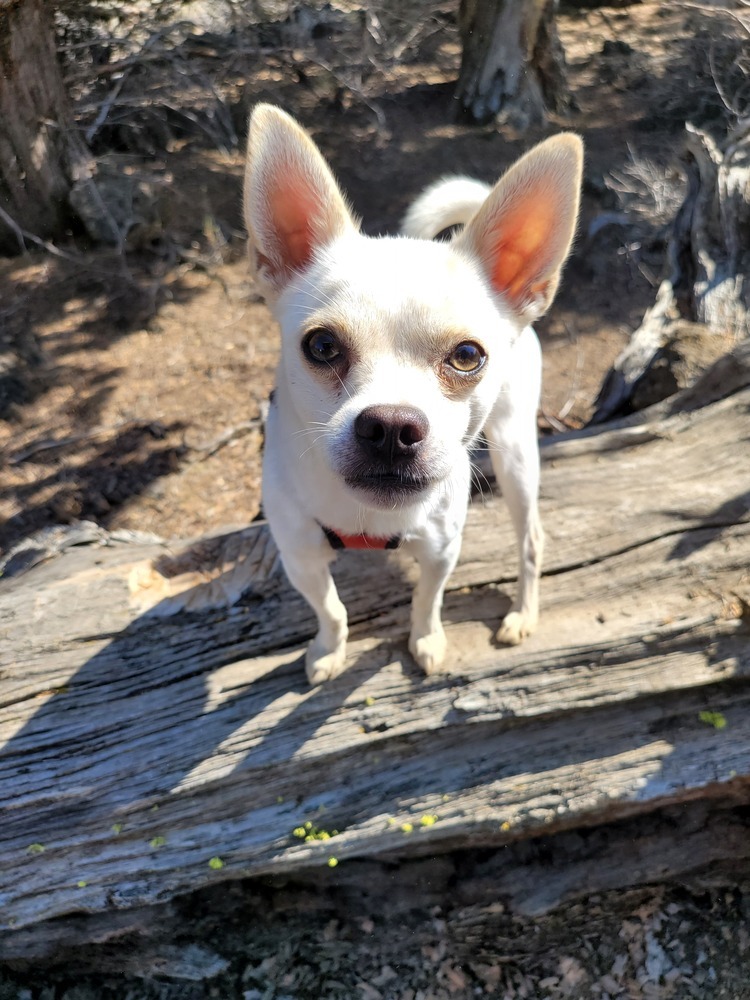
148,725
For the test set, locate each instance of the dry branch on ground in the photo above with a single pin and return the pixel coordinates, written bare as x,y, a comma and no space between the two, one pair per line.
702,308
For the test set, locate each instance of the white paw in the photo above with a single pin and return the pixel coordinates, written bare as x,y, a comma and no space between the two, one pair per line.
515,627
429,650
321,664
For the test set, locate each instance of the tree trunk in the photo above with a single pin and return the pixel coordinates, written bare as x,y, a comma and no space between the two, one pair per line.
513,64
703,308
41,153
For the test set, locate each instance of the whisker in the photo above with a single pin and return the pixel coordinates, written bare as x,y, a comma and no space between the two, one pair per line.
312,427
480,479
313,296
343,384
360,519
497,449
312,445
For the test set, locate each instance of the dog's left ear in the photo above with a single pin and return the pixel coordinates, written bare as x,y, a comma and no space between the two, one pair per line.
293,206
522,233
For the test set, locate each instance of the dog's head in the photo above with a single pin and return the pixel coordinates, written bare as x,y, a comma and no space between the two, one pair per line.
394,349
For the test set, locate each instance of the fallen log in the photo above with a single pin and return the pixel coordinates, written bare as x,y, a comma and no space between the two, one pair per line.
702,307
157,734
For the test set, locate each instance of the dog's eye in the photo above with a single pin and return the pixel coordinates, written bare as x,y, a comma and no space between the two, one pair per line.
467,357
322,346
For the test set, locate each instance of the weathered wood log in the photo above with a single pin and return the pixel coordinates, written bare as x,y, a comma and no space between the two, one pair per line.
155,740
512,61
702,308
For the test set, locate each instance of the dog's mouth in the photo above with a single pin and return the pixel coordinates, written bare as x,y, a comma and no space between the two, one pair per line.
388,487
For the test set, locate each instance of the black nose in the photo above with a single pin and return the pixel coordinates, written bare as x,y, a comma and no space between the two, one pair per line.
391,432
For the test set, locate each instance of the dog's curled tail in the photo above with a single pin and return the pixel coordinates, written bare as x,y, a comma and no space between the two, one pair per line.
451,201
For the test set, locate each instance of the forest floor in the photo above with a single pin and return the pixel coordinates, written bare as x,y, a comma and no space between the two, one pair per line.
132,383
141,374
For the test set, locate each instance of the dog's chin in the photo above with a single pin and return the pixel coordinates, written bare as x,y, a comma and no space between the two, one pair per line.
388,490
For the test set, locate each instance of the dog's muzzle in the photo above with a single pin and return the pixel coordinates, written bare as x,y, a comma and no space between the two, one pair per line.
387,460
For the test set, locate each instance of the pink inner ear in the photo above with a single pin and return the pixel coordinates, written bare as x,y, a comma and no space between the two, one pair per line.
293,209
521,244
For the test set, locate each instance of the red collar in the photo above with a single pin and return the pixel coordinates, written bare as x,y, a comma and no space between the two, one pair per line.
340,541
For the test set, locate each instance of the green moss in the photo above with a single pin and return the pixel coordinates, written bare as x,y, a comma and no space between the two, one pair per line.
715,719
309,832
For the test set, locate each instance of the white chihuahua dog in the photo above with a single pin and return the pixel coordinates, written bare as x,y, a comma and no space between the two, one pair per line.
396,353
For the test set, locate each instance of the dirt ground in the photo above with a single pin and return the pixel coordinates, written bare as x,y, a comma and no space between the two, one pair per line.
664,942
141,375
132,382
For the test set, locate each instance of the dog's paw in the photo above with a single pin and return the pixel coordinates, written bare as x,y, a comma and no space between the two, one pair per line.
321,664
515,627
429,650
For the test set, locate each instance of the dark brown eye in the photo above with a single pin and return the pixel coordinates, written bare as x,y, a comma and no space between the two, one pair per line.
322,347
467,357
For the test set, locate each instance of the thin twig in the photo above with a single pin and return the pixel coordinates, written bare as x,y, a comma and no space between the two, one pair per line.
555,424
105,108
12,224
231,434
112,97
23,234
52,444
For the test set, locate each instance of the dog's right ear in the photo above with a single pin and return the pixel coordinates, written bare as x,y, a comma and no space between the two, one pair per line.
293,206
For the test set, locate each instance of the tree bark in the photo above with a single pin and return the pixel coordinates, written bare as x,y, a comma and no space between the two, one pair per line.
513,64
41,153
703,308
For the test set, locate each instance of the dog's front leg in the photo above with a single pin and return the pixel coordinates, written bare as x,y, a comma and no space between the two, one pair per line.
515,459
511,432
427,642
310,573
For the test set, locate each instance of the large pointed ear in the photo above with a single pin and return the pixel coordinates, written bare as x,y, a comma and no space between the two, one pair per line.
292,204
523,231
